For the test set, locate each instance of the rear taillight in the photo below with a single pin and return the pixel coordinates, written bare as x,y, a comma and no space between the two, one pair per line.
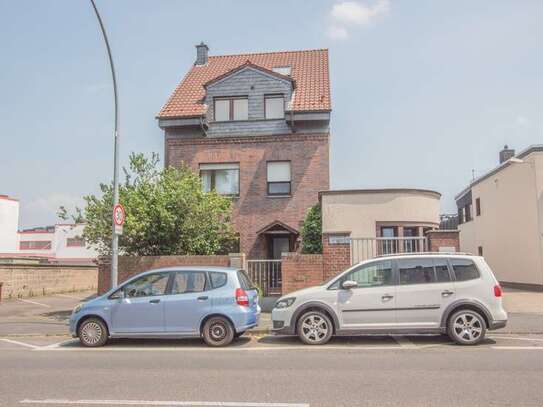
497,291
241,297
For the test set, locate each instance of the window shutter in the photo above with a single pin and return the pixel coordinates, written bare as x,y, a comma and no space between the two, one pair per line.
279,171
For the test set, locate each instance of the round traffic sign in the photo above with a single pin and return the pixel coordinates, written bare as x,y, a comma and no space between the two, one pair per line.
118,215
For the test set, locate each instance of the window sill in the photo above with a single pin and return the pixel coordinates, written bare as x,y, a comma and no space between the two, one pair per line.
279,196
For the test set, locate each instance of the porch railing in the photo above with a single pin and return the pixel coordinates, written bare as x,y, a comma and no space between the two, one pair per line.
365,248
267,275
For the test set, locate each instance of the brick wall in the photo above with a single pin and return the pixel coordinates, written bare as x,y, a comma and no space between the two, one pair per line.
336,257
132,265
301,271
253,209
20,280
443,239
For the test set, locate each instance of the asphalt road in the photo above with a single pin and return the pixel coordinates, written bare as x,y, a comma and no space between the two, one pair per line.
267,371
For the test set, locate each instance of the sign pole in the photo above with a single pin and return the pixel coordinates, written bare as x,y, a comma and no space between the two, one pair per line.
114,237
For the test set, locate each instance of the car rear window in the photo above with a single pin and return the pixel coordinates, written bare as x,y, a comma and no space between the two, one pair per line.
217,279
244,281
464,269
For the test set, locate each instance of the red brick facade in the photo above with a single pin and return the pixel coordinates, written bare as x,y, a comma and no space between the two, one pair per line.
443,239
253,209
301,271
336,257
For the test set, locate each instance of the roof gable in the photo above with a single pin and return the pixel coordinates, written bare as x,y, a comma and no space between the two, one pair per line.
309,71
248,65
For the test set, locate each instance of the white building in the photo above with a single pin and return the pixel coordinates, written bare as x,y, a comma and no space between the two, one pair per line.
9,222
61,243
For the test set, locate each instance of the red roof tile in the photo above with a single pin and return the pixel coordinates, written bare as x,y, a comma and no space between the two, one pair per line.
309,70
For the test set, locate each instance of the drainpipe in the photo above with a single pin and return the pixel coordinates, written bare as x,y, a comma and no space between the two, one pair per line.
202,126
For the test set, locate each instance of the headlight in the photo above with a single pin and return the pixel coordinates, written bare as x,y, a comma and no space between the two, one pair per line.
78,308
285,302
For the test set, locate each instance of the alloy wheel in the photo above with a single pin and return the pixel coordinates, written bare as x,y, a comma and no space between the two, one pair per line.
91,333
314,328
467,327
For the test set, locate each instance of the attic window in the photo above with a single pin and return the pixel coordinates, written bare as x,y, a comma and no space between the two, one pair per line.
283,70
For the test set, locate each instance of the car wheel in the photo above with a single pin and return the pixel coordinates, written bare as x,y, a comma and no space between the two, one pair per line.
218,331
93,333
466,327
314,328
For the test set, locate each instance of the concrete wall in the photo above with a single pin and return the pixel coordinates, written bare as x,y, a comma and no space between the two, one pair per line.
509,227
9,222
358,212
20,280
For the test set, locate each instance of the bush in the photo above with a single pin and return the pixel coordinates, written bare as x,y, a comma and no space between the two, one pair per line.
312,231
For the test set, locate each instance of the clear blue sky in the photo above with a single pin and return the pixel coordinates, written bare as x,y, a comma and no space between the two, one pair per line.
423,91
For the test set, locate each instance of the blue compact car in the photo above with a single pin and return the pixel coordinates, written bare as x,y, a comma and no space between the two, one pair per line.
215,303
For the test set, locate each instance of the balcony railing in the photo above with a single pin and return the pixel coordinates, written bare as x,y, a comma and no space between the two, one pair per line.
369,247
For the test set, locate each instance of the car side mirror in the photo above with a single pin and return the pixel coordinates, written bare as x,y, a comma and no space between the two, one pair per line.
347,285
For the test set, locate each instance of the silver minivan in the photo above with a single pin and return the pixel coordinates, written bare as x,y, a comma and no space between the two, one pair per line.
455,294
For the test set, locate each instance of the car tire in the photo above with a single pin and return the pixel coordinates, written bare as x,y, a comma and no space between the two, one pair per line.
92,333
314,328
466,327
218,331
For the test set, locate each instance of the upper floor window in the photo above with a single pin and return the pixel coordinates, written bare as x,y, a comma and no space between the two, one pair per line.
274,107
231,108
278,177
283,70
478,207
76,241
467,213
35,245
223,178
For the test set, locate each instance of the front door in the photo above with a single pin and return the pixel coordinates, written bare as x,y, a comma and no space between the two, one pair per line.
141,308
279,245
188,303
424,292
371,305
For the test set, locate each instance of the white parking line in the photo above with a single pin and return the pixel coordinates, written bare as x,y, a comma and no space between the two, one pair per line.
205,349
517,347
519,338
68,296
26,345
161,403
34,302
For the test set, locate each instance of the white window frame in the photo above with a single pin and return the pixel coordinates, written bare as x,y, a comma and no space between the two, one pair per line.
231,108
213,167
273,179
273,97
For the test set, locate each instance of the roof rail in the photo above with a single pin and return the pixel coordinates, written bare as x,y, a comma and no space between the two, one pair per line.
426,254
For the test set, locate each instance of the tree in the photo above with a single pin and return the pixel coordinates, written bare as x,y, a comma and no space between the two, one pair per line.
167,213
312,231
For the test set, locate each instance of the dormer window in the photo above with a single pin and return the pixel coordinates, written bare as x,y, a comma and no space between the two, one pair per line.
274,107
283,70
231,108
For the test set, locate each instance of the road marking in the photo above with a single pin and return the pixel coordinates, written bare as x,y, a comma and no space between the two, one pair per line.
161,403
516,338
517,347
27,345
404,342
34,302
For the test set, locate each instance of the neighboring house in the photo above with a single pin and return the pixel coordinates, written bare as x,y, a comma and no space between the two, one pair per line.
62,243
256,128
501,217
380,221
9,222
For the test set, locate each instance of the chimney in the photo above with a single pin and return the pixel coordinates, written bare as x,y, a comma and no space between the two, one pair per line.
506,154
201,54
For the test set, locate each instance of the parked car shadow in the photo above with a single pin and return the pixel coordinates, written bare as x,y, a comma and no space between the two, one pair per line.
155,343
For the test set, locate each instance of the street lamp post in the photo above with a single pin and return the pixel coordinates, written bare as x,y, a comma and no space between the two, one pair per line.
115,237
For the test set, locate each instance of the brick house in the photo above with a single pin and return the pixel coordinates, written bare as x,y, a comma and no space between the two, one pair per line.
256,128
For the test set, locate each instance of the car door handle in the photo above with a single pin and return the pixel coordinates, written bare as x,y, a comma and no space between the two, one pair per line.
387,297
154,301
446,293
202,298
